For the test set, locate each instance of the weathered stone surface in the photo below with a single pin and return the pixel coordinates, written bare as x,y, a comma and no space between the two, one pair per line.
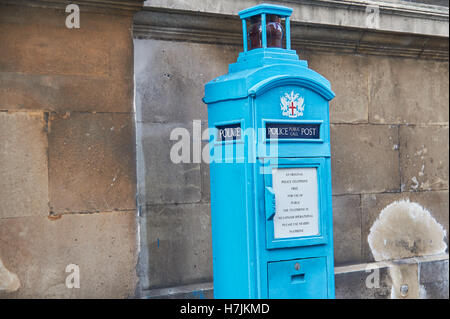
204,294
435,202
174,91
434,278
434,271
194,291
87,163
436,290
37,41
348,285
61,93
23,165
392,18
424,157
347,229
348,75
370,283
38,250
206,178
92,162
166,181
179,244
364,159
408,91
45,65
375,281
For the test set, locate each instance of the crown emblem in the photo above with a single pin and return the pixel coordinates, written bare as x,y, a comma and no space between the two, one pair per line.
292,105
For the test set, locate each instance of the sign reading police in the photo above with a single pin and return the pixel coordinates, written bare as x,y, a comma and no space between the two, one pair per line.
296,202
229,132
292,130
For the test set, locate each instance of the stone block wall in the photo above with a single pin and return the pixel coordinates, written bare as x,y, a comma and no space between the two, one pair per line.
174,198
389,141
67,151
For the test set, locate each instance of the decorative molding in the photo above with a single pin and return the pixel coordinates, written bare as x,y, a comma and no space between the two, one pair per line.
398,8
127,7
200,27
393,15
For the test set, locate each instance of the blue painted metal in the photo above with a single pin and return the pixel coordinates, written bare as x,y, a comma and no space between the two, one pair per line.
264,31
244,31
308,282
288,33
248,262
265,8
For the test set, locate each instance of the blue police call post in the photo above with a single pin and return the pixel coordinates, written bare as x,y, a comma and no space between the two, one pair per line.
270,169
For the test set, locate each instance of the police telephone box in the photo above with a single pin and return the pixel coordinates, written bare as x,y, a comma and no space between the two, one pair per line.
271,211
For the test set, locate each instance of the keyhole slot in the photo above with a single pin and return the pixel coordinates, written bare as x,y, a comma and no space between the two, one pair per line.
298,279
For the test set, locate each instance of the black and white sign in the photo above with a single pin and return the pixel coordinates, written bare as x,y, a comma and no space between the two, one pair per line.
296,199
229,132
292,130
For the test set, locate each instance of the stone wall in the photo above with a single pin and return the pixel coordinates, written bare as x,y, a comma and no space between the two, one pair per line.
67,151
174,198
389,136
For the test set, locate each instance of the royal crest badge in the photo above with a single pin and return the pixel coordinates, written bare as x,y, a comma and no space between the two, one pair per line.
292,105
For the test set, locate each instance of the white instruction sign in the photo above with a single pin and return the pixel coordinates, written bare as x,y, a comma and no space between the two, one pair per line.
296,199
